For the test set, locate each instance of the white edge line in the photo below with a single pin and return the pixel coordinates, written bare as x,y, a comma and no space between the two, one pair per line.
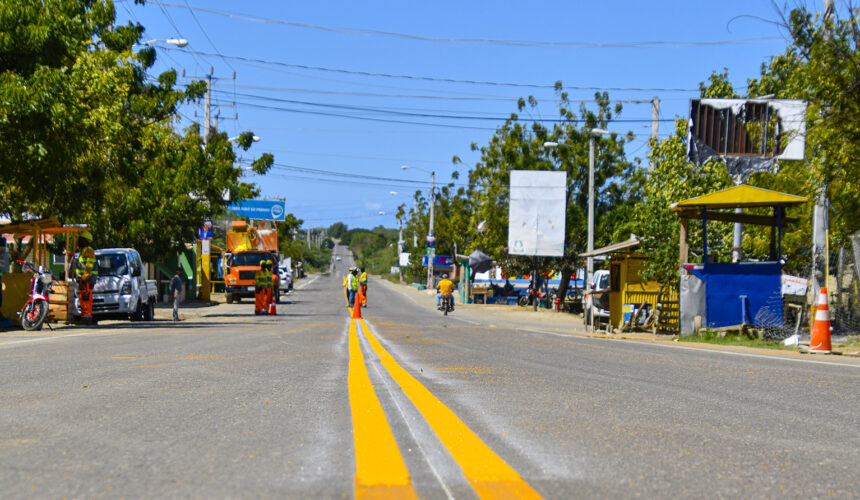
700,349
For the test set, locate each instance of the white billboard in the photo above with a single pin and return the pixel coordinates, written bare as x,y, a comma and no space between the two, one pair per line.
536,215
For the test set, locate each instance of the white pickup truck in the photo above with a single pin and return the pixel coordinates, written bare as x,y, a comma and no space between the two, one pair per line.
597,293
121,289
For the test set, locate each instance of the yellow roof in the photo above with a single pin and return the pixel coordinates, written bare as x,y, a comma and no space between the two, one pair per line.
742,196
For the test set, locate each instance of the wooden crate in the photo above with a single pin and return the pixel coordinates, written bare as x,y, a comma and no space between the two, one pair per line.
60,302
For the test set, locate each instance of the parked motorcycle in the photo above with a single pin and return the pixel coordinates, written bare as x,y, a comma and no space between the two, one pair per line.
527,298
35,310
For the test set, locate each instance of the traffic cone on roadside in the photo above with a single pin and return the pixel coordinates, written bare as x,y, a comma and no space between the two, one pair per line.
272,309
820,341
356,309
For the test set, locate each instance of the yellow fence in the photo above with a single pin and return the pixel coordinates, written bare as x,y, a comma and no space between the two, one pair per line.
667,321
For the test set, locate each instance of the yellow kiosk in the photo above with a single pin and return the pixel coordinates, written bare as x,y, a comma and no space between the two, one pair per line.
16,286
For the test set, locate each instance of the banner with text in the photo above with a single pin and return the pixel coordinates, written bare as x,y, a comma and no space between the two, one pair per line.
260,209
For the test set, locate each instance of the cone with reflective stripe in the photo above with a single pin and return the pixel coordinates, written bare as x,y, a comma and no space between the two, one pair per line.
820,341
356,309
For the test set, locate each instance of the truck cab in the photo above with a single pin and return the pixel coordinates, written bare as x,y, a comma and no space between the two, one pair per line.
240,270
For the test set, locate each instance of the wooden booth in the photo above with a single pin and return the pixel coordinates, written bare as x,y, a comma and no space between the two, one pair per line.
733,294
628,293
34,235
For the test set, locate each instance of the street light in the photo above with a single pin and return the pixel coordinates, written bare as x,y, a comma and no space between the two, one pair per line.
431,240
595,132
179,42
232,139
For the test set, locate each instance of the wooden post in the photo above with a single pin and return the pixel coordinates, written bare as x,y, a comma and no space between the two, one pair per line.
684,253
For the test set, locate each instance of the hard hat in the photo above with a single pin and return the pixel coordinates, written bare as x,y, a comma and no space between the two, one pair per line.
87,235
445,276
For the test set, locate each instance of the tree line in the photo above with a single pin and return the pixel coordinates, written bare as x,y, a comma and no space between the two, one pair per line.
87,135
820,65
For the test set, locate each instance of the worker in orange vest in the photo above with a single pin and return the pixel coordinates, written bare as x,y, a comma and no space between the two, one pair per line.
259,289
86,271
362,283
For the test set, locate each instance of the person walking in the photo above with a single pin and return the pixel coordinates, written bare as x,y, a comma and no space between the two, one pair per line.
176,292
362,282
345,287
4,265
352,286
86,272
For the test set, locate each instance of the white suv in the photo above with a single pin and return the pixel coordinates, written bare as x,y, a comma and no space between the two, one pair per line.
285,278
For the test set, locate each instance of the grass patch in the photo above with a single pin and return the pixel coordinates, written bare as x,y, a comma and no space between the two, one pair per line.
738,339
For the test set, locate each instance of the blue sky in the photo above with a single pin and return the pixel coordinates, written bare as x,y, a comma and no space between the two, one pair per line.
362,88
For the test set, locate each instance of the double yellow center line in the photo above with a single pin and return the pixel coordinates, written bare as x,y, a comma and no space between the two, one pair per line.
380,470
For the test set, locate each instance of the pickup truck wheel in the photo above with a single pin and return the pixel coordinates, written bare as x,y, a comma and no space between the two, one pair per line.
149,311
137,314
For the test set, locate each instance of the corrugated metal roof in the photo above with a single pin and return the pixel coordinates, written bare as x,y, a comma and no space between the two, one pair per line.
615,247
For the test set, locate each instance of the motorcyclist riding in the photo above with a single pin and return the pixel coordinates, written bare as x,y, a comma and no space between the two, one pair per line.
445,287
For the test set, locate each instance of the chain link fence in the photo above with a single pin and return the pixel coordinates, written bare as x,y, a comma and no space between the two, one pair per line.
793,313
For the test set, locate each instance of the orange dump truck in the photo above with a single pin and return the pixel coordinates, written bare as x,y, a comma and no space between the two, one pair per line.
247,246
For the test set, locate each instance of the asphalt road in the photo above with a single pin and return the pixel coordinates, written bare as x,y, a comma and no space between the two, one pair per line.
406,403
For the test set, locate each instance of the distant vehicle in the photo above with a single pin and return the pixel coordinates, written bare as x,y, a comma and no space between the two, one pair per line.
285,278
597,294
121,289
337,258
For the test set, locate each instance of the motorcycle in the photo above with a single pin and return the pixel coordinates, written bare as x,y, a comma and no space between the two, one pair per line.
446,304
35,310
527,298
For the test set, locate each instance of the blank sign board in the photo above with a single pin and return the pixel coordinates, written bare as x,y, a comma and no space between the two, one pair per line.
537,213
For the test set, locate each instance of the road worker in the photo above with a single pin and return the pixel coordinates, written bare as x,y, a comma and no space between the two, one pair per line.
362,282
86,271
346,285
259,288
270,284
352,286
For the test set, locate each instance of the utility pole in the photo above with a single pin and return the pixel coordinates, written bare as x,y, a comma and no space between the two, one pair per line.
655,122
206,105
589,268
400,248
309,238
432,250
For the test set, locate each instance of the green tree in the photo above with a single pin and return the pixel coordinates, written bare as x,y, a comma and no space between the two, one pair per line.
674,178
518,146
86,136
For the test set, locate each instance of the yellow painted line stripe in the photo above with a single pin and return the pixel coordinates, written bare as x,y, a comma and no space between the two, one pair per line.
491,476
379,468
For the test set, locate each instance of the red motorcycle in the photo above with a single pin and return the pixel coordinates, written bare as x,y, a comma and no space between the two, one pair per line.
35,310
527,298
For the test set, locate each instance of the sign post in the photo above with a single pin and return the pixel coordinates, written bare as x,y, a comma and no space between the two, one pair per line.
537,216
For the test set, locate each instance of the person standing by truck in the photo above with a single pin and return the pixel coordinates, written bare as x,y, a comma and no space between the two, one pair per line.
86,271
176,292
260,288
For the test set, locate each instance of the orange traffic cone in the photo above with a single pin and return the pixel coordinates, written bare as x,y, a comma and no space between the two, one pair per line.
820,341
272,309
356,309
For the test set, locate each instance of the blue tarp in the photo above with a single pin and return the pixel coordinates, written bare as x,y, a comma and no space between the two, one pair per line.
744,293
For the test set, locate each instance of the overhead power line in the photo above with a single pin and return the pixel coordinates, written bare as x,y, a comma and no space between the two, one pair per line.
644,44
252,60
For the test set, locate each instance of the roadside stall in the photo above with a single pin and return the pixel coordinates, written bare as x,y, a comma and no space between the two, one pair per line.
35,234
630,299
733,294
